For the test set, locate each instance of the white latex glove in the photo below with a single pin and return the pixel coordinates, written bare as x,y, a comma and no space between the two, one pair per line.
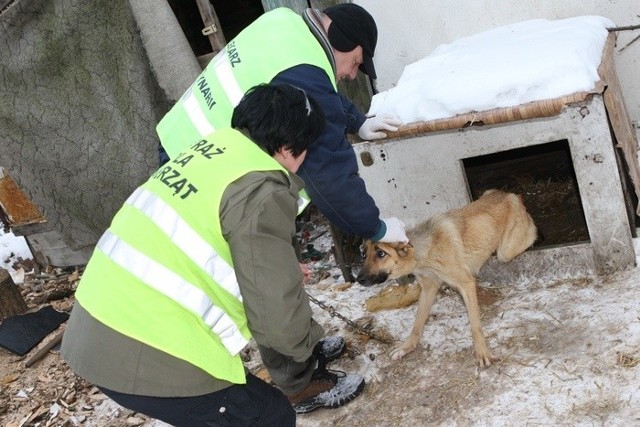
395,231
373,127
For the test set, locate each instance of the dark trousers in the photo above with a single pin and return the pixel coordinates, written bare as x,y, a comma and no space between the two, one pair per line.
255,403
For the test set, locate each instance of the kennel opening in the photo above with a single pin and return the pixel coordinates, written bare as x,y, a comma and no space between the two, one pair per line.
544,175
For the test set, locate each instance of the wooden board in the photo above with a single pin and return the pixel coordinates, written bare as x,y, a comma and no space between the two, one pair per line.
297,5
530,110
618,116
49,248
16,206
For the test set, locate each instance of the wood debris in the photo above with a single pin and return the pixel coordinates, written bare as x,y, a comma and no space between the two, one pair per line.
628,361
394,296
49,393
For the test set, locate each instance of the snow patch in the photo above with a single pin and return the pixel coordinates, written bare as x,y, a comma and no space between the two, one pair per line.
502,67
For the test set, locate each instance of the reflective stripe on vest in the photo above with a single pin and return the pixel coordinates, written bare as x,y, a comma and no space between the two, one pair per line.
164,259
186,238
303,200
195,113
173,286
224,72
276,41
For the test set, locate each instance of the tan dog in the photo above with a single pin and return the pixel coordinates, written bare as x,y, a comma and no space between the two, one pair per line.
451,248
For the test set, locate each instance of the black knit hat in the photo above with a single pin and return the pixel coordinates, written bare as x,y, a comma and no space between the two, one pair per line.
352,26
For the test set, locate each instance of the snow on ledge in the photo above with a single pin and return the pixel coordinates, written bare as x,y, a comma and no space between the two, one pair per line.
502,67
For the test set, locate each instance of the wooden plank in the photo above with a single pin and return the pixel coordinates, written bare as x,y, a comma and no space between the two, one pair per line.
40,354
17,208
618,114
49,248
297,5
529,110
346,251
212,28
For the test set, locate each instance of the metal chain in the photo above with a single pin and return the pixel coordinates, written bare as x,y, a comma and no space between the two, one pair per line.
333,313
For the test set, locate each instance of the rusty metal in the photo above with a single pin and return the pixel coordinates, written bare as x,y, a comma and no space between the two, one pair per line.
359,329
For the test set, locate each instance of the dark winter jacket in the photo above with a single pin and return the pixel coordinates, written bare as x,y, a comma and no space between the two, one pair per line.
330,170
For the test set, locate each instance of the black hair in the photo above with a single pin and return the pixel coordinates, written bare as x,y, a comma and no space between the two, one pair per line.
279,116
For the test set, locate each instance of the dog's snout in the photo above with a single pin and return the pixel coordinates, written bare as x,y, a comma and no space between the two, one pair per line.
361,279
372,279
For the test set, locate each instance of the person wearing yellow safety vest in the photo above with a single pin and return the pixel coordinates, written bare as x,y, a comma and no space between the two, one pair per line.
197,262
312,52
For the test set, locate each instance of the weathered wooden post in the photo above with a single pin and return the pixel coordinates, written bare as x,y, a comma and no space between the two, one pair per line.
11,301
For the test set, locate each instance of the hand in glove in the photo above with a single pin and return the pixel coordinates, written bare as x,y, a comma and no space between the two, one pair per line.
373,127
395,231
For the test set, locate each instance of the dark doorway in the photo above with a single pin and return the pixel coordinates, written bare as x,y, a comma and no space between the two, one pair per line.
544,176
234,16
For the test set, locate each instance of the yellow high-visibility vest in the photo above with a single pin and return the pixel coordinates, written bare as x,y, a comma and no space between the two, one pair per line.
163,274
276,41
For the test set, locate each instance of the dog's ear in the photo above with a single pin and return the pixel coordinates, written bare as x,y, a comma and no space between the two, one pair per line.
404,249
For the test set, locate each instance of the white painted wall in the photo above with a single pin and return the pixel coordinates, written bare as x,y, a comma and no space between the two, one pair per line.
410,29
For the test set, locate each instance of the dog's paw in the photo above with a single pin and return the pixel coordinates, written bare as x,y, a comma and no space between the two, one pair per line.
397,353
486,359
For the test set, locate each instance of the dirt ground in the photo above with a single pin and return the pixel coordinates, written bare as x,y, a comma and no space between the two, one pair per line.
569,349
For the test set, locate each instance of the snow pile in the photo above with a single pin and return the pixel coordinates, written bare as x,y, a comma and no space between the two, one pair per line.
503,67
13,248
